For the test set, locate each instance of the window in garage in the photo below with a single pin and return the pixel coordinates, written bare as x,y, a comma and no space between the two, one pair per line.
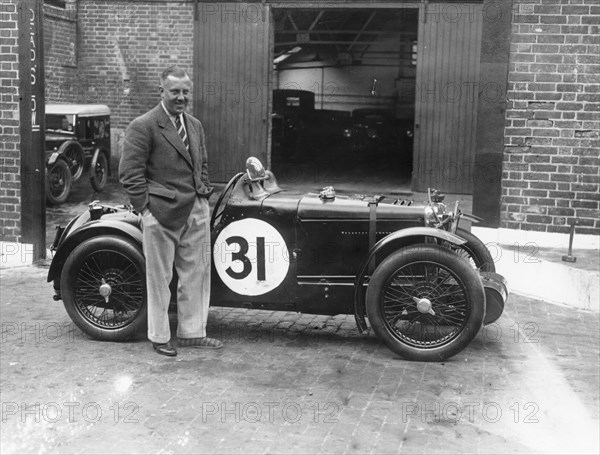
343,101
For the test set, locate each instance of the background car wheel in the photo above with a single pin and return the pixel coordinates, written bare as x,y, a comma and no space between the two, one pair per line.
99,172
425,303
103,287
73,153
58,182
474,251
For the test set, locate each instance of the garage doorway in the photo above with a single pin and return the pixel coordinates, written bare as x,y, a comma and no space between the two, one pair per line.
343,105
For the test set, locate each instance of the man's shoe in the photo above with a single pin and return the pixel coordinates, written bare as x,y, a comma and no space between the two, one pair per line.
165,349
205,342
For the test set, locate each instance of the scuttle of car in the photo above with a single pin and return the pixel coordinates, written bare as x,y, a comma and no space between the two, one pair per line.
425,285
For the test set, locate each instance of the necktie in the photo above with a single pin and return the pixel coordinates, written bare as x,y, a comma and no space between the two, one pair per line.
182,133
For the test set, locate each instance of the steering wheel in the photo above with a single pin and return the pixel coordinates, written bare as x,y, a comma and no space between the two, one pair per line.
218,211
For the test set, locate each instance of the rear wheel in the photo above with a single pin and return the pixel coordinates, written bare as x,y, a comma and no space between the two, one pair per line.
74,154
425,303
58,182
99,172
103,287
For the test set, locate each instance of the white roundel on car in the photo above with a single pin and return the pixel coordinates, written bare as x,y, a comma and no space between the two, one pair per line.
251,257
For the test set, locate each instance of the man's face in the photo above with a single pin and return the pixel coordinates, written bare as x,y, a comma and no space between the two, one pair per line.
175,93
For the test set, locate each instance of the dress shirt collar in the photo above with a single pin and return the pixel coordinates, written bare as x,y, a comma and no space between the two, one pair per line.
171,116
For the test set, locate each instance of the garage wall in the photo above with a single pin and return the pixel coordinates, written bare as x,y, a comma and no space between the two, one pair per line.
551,169
344,88
10,157
60,46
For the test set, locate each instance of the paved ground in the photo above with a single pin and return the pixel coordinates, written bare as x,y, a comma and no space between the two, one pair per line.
288,383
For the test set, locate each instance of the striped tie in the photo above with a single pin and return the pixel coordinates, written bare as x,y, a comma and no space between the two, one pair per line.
182,133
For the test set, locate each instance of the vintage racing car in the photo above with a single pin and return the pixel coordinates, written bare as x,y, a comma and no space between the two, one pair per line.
426,285
77,142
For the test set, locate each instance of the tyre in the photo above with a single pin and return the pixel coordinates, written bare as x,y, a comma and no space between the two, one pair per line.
103,285
58,182
99,172
474,251
425,303
73,153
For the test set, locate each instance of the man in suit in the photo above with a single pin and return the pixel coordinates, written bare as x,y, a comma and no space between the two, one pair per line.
164,171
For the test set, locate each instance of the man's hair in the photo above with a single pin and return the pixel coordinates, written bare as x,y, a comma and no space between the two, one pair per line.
174,71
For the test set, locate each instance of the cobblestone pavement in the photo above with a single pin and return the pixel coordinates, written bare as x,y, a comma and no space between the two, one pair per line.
289,383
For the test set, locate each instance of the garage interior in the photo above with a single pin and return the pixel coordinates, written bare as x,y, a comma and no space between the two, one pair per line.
344,96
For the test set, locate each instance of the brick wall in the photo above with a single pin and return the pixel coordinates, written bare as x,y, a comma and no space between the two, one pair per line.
10,163
551,165
123,47
60,53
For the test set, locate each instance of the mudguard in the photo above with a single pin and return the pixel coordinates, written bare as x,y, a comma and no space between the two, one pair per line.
53,158
496,294
359,295
91,229
97,152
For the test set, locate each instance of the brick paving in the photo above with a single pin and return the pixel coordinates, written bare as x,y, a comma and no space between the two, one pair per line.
290,383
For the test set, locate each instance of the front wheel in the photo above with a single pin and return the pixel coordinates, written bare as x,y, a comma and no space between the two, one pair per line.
103,286
425,303
474,251
58,182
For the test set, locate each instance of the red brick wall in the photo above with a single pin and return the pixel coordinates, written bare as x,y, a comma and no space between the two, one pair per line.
10,163
551,166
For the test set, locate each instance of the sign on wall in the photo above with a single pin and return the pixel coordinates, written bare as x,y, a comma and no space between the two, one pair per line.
31,107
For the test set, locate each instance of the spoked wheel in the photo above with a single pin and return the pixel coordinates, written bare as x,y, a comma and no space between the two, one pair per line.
474,251
425,303
99,172
103,286
58,182
218,210
73,153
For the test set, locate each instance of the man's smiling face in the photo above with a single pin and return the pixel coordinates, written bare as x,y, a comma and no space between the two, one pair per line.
175,93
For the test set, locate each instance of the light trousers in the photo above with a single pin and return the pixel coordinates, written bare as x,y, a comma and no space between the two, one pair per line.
188,248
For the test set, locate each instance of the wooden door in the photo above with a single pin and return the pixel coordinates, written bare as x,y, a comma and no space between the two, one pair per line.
449,44
232,88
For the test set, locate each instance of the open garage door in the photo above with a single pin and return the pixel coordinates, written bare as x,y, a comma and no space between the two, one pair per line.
343,102
232,67
446,97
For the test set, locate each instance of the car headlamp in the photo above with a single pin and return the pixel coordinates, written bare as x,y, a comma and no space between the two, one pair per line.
435,210
435,214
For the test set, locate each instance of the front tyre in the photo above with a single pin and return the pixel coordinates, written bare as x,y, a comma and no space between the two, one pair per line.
425,303
474,251
103,286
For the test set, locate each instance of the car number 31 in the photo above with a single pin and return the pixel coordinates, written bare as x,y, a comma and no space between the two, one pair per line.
251,257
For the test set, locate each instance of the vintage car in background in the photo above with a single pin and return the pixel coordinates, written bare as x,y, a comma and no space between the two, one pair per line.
377,133
77,143
291,110
425,284
323,132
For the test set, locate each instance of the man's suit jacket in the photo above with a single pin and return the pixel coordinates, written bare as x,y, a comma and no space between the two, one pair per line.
156,170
